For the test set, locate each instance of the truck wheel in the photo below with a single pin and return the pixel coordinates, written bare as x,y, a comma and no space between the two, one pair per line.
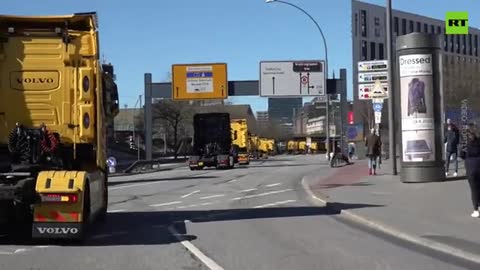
103,212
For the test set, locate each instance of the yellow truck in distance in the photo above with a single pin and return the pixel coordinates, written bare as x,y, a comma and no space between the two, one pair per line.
240,140
55,102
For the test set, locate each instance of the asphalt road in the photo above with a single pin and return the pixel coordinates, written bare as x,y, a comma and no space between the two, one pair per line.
255,217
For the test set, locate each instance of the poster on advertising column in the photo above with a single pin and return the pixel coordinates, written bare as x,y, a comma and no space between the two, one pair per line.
416,87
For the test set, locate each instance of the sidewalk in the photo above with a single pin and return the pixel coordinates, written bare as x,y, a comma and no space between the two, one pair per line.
435,215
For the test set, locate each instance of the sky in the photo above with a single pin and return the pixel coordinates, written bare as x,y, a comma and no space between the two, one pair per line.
148,36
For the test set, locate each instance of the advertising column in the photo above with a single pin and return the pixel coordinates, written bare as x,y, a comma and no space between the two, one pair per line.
419,80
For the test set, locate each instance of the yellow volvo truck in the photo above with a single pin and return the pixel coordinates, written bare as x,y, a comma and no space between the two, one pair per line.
55,103
240,140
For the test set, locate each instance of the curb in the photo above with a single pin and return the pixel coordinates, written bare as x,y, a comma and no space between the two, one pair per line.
380,227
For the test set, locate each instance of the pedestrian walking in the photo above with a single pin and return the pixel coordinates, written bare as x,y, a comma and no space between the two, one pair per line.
471,155
373,144
452,139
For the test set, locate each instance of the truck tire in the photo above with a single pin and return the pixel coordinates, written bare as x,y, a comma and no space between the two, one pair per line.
102,216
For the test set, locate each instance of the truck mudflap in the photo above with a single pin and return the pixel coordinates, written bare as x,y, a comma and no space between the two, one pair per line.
57,230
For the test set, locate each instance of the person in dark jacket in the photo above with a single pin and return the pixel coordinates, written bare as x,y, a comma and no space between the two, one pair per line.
471,155
373,144
452,139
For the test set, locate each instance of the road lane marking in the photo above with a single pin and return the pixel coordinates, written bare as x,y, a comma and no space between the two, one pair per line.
231,181
207,203
165,204
116,211
181,207
136,185
274,204
262,194
20,250
5,253
248,190
189,194
192,205
274,185
211,264
212,196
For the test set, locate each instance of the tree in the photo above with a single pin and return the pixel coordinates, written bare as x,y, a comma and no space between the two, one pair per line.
175,114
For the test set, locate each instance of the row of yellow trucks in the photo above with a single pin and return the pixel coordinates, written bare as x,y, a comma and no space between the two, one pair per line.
249,145
295,147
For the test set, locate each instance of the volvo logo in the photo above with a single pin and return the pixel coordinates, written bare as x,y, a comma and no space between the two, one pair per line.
35,80
61,230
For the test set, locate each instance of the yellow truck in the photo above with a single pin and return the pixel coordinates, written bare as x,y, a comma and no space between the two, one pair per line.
254,144
240,140
272,149
313,147
263,147
292,147
302,147
55,102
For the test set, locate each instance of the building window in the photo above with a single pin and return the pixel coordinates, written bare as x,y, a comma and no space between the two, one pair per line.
356,24
464,45
363,22
404,26
377,21
445,42
470,44
419,27
475,49
432,29
439,30
372,51
451,43
411,26
377,32
425,28
381,52
364,50
457,44
395,25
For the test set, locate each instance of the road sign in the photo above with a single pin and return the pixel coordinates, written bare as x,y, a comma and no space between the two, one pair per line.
378,100
378,117
292,78
377,107
370,77
381,65
199,81
372,90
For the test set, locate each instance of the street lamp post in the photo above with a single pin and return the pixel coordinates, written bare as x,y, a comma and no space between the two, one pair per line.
391,99
326,68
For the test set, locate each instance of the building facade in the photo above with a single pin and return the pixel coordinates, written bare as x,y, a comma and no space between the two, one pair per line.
460,56
282,109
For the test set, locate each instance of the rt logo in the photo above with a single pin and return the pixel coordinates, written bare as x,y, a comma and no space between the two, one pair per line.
456,23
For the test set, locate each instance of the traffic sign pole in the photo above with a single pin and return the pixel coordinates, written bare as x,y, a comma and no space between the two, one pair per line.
392,145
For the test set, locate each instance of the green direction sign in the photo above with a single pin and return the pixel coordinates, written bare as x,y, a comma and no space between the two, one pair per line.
456,22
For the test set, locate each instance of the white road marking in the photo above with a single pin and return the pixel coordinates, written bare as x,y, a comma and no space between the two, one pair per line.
189,194
137,185
181,207
274,185
207,203
192,205
248,190
213,196
211,264
262,194
165,204
43,246
274,204
231,181
5,253
116,211
20,250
